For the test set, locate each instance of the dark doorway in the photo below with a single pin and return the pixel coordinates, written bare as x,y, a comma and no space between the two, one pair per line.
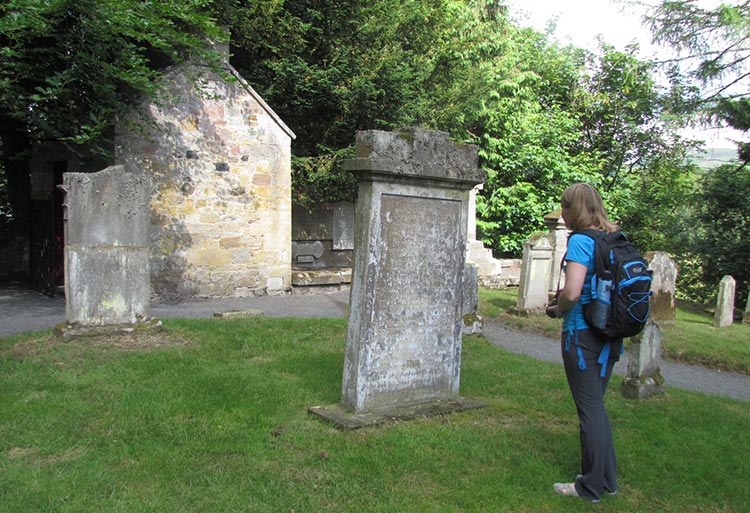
46,240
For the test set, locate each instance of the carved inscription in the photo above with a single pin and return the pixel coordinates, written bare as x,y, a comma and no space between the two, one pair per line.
415,307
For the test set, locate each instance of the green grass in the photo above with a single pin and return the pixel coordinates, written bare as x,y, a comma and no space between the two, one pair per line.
210,416
691,338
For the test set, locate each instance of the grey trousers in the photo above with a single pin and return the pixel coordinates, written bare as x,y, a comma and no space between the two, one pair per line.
598,459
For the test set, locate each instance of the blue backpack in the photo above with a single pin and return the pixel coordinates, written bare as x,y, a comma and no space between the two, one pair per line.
620,287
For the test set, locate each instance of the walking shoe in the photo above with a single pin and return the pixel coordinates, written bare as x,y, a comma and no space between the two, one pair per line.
606,492
569,490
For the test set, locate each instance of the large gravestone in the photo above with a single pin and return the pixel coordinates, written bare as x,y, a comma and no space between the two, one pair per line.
403,351
107,279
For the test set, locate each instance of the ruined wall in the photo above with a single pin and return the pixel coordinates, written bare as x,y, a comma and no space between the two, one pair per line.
220,163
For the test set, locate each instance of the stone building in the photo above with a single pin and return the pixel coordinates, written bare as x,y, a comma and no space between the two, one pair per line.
219,160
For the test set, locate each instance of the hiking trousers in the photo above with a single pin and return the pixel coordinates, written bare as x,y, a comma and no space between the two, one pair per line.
598,460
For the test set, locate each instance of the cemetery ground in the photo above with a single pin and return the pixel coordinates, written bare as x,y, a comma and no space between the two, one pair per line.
211,416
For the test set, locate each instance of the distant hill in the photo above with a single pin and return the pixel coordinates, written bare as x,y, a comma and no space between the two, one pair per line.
715,157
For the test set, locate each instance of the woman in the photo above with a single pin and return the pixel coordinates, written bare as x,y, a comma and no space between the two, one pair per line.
588,366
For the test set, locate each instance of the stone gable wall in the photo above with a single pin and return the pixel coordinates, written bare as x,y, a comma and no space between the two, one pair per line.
220,165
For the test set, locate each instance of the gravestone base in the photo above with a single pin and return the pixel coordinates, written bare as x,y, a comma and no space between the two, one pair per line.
343,418
472,325
643,387
70,331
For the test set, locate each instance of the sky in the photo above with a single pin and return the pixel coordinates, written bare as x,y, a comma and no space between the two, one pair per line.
581,21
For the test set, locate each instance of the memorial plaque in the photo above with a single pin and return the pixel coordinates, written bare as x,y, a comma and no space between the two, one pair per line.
343,225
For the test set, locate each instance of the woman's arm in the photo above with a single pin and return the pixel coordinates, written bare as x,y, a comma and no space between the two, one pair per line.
575,274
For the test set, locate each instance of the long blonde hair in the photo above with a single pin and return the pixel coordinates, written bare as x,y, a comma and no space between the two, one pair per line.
586,208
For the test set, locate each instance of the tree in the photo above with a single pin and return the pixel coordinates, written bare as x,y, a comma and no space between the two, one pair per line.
646,171
714,46
70,67
723,223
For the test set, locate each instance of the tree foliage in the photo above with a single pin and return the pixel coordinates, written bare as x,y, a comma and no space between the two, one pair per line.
713,45
720,238
70,67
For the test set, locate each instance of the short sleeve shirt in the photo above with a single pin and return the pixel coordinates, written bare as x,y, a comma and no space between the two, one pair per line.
581,251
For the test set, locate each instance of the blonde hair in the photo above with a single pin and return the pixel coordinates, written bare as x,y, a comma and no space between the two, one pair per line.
586,208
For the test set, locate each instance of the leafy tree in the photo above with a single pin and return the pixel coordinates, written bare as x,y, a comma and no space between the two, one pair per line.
646,171
713,44
722,224
68,68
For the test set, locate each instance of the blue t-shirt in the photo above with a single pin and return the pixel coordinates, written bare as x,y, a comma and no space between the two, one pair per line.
581,251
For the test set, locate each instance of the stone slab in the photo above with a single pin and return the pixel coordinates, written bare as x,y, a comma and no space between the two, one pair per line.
345,419
70,331
239,314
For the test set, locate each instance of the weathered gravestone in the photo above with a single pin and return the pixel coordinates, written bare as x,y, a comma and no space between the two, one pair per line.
746,315
403,350
536,267
558,238
643,378
107,281
724,314
663,286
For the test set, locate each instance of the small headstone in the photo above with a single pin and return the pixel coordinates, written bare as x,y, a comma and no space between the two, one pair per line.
663,284
535,272
746,315
643,378
724,314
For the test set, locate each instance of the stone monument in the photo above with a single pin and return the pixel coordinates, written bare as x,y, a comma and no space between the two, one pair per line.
476,253
107,279
643,378
403,349
724,315
663,285
558,238
533,291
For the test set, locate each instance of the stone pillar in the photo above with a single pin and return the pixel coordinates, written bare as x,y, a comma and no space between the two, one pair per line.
558,238
535,272
643,378
405,323
724,315
476,253
663,286
107,279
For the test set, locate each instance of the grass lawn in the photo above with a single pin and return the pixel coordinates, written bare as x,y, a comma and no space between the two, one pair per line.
210,416
692,338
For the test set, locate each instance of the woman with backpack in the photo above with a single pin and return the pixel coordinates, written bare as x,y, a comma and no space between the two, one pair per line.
588,366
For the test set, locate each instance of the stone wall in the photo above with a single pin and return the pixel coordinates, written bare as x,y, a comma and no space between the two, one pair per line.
220,163
323,235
